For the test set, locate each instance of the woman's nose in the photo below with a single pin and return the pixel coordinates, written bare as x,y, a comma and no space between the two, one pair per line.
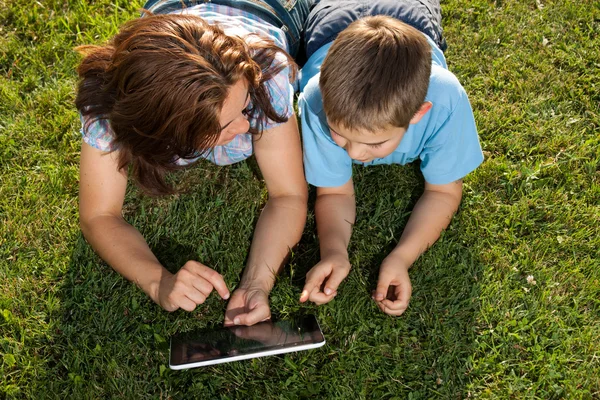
240,126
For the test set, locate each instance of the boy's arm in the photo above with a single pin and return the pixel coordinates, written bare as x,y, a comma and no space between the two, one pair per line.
335,212
430,216
328,167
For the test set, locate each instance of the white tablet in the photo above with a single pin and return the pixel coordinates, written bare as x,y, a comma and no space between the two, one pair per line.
197,349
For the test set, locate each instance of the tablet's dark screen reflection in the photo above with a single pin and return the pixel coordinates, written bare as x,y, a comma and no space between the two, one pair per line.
240,340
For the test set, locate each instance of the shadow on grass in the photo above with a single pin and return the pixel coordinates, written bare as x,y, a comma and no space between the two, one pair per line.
173,255
112,340
426,352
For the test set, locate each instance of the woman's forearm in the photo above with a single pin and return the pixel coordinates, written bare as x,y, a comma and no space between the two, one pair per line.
125,250
278,230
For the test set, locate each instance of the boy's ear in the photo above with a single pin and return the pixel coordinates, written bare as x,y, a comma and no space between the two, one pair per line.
425,107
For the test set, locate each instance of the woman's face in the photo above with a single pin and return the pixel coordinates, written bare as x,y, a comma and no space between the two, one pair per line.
233,118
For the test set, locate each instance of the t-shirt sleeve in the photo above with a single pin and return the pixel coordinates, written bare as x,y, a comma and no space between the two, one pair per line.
454,150
281,93
325,163
97,132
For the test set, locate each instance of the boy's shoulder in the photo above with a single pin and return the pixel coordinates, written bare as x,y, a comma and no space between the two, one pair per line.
445,89
312,95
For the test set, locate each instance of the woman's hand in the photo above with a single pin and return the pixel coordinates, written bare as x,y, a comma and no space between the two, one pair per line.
189,287
248,305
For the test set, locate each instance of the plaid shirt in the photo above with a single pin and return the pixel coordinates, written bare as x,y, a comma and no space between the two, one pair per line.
98,133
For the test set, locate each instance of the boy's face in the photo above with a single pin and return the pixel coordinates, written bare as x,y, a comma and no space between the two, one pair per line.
367,146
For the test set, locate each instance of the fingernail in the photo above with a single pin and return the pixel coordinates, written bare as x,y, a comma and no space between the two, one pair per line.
304,294
226,296
328,291
378,297
236,321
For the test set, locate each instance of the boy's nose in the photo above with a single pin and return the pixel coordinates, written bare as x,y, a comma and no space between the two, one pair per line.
354,151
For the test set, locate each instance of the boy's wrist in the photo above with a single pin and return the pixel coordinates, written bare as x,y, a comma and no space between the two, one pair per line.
334,252
398,258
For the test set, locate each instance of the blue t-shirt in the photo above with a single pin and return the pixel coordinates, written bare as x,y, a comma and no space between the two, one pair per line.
445,139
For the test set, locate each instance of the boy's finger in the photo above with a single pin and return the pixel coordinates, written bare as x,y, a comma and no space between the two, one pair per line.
200,284
334,280
212,276
404,292
319,297
394,305
310,285
383,285
390,311
196,296
186,304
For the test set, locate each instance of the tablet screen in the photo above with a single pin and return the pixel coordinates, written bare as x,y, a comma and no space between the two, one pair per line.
235,341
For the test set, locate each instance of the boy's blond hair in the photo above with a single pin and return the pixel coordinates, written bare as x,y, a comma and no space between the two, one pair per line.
375,75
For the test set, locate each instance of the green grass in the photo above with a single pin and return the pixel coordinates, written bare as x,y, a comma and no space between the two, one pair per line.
70,327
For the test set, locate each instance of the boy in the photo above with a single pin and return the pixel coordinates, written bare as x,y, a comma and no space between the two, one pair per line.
383,96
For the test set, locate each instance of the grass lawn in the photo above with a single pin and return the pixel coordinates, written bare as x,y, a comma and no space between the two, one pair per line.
505,305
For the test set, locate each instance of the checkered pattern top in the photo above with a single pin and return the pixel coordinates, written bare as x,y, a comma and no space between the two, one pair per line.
98,133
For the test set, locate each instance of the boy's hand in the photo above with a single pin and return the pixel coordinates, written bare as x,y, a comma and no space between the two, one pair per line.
189,287
324,278
393,287
247,306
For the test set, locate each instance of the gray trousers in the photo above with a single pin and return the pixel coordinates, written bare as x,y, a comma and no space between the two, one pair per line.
328,18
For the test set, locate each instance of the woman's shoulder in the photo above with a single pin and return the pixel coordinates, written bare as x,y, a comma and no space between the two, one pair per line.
96,132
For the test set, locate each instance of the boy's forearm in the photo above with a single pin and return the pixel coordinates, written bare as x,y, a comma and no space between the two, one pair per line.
430,216
278,230
335,215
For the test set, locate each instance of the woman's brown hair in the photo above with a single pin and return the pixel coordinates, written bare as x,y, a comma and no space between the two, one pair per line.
161,83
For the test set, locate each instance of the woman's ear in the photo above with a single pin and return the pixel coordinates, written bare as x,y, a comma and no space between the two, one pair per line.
425,107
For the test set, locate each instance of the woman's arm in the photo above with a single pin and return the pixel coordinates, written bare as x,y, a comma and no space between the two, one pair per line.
101,194
279,226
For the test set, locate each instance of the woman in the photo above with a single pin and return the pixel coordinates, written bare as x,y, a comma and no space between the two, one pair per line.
212,81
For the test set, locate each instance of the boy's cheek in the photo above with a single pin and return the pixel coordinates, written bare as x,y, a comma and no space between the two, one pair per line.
338,141
382,153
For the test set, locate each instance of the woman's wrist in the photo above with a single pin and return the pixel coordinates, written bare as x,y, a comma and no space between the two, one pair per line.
256,278
150,283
